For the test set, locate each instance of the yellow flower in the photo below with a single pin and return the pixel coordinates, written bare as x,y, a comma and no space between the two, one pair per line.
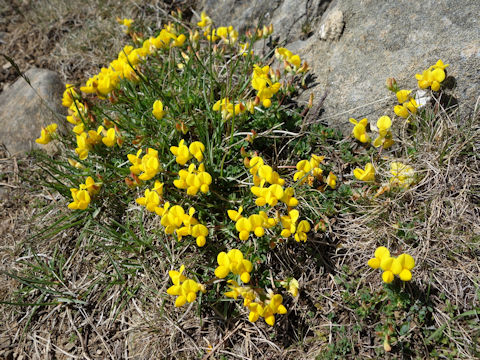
127,23
440,65
257,224
269,195
331,180
360,130
151,200
185,289
256,311
210,35
234,262
205,20
288,198
158,110
82,146
365,175
400,266
81,199
289,223
200,232
69,95
384,138
75,164
407,108
173,219
401,110
136,168
302,228
403,96
158,187
403,175
177,276
46,134
150,164
91,186
228,34
407,263
390,267
384,123
380,253
273,306
254,164
235,215
197,149
110,139
181,152
243,227
432,77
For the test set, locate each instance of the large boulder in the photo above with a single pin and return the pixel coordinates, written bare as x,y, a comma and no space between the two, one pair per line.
25,108
353,46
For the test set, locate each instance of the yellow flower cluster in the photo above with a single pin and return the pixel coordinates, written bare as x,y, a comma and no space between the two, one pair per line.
174,217
290,226
271,195
233,262
194,180
433,76
292,62
263,173
263,84
77,114
391,266
86,140
384,138
407,106
125,65
185,289
256,223
69,95
257,303
184,153
82,196
227,34
151,200
46,134
402,175
229,110
309,170
147,167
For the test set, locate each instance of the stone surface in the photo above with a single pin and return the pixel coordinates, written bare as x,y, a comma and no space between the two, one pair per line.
23,113
353,46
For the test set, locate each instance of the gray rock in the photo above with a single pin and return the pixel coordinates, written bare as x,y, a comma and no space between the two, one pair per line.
357,44
23,113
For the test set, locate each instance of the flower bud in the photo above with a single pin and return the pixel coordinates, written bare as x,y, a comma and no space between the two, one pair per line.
392,84
310,101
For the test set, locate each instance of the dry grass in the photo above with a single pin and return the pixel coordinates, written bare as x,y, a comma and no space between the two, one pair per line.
71,38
